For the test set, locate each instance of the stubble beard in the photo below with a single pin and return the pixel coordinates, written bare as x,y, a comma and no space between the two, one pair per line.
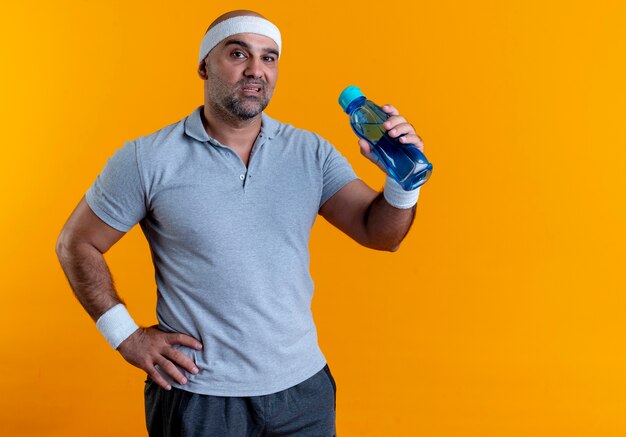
223,98
239,109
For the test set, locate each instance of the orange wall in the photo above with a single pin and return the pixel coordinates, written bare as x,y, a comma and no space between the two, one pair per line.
503,312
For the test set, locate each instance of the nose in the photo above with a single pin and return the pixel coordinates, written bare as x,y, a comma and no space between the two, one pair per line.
254,68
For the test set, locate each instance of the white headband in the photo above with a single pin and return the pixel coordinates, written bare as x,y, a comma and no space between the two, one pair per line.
241,24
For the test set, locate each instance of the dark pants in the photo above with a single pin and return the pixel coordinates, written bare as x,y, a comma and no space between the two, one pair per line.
306,409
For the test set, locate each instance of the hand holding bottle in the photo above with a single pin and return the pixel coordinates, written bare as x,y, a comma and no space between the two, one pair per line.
396,126
387,139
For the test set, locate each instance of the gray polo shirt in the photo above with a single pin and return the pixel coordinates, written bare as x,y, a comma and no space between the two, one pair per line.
229,245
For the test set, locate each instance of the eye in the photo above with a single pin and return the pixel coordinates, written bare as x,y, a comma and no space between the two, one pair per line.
238,54
270,58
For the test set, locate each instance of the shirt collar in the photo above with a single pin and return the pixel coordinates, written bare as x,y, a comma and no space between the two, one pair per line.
195,129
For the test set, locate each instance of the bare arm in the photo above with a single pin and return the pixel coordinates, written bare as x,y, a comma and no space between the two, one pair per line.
365,216
80,248
363,213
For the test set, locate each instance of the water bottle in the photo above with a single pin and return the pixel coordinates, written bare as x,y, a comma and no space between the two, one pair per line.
404,162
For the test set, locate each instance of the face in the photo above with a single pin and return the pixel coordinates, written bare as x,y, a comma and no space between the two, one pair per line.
241,74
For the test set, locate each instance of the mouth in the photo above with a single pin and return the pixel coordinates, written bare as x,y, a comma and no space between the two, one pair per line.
252,89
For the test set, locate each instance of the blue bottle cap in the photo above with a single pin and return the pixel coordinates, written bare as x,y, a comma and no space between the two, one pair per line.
348,95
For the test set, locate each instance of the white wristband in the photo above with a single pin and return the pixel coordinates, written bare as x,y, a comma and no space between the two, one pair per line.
397,197
116,325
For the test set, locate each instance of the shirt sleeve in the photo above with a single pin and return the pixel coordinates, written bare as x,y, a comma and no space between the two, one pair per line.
336,171
118,196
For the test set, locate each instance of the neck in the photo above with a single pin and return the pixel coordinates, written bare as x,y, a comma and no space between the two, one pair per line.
231,131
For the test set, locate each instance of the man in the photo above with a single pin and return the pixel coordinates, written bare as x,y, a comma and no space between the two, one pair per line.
226,198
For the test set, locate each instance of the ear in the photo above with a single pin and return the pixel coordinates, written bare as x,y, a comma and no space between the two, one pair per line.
202,70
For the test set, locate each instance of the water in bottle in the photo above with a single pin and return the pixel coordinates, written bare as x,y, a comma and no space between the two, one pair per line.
404,162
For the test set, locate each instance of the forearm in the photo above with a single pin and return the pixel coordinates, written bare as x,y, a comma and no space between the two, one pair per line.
146,348
386,226
89,277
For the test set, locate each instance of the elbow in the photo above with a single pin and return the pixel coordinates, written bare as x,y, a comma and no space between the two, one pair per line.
60,246
393,248
385,243
64,246
384,246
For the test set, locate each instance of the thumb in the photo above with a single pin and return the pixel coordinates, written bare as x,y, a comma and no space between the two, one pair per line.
366,150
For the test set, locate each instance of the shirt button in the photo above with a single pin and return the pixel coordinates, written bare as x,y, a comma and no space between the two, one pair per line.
242,177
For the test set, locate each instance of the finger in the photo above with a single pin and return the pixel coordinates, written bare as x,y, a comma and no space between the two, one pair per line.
156,377
172,371
184,340
394,121
390,109
365,148
181,359
412,139
401,129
